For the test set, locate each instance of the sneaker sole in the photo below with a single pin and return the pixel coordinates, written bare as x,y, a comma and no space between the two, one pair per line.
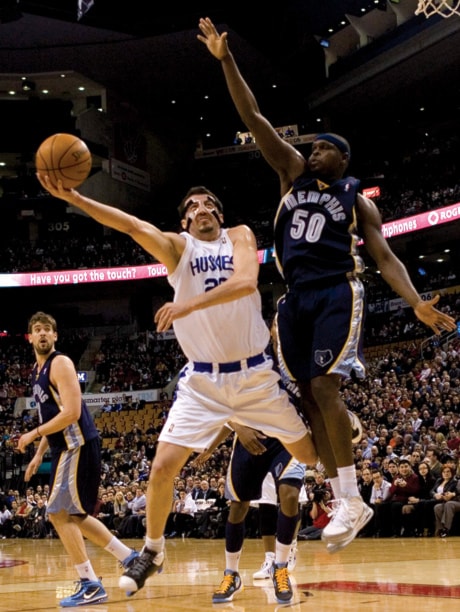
86,602
333,547
230,597
284,601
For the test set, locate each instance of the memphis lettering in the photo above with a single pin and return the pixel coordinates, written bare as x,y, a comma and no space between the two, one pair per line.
325,200
40,396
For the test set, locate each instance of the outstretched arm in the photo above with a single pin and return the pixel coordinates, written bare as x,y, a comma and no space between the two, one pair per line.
395,273
167,247
282,156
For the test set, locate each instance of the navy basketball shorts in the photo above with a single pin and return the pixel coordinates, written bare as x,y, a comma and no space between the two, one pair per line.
75,479
247,472
320,330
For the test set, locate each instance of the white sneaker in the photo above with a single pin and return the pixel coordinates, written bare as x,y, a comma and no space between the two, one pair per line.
351,516
292,559
356,427
264,571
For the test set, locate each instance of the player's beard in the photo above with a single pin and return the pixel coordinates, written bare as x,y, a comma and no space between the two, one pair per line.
43,348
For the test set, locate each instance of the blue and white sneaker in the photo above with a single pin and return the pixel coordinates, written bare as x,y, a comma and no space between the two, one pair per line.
88,592
126,563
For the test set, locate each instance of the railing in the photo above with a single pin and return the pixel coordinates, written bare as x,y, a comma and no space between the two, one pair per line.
442,340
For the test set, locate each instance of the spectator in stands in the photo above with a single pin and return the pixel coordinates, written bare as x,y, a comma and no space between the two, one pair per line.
106,512
183,515
133,526
6,524
20,516
320,514
389,513
365,486
446,510
393,470
432,458
120,510
37,522
380,494
107,406
419,511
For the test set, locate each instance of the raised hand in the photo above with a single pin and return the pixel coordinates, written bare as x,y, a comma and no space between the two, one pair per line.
434,318
216,43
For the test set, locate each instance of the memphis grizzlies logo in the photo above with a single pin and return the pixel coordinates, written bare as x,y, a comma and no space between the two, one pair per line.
323,358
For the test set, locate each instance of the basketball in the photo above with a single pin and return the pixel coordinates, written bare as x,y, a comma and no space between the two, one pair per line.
65,157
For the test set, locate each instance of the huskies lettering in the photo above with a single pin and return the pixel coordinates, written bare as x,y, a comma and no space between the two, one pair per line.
211,264
39,395
325,200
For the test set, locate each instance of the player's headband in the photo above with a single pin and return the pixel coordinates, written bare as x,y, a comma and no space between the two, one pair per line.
342,145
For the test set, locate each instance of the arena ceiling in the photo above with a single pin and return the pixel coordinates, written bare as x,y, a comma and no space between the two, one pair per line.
148,55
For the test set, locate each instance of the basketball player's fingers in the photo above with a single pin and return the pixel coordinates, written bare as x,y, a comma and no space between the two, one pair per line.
164,321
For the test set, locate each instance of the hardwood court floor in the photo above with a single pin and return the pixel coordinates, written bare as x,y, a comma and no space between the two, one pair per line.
386,575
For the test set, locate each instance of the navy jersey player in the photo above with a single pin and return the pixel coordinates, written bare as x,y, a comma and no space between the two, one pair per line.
320,318
67,429
217,318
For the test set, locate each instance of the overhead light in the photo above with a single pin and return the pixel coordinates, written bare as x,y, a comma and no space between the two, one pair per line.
28,85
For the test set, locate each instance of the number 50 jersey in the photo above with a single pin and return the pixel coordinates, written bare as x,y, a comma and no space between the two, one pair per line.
316,231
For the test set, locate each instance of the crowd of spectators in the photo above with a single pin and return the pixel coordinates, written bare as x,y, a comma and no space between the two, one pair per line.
409,406
142,361
422,178
71,253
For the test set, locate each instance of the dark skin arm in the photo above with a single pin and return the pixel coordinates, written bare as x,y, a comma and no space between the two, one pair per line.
394,272
287,162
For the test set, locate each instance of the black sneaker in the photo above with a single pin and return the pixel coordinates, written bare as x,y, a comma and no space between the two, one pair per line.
231,585
281,582
146,564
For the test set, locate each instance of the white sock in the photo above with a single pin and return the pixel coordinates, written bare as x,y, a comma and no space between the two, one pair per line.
119,550
85,571
348,481
335,485
232,560
282,552
155,544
